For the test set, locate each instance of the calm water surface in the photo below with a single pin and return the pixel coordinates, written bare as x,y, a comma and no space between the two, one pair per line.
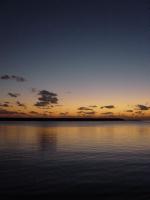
105,158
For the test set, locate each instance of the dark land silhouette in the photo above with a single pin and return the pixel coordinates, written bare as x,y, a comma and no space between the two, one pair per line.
60,119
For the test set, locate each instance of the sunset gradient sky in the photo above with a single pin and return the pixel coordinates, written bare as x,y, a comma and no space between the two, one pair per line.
91,55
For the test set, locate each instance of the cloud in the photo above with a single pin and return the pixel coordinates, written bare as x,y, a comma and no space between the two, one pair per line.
108,113
14,95
129,111
37,113
139,113
18,78
108,107
6,104
64,113
90,113
7,112
41,104
46,113
34,113
94,106
13,77
20,104
86,112
84,108
46,98
5,77
142,107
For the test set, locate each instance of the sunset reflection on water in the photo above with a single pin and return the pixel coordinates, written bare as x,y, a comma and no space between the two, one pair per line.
79,157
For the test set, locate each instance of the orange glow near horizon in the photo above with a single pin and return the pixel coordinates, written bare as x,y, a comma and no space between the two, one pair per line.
93,110
69,104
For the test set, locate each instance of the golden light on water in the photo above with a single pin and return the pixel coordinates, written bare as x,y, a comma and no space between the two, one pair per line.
78,137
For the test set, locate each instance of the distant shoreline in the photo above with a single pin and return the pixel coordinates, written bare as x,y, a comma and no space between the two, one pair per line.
61,119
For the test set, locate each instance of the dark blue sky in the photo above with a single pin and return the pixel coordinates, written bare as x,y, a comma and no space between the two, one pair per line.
99,48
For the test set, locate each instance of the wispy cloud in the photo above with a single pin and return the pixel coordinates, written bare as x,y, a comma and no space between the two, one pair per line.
4,104
108,107
129,111
90,113
85,108
14,95
108,113
140,112
64,113
86,112
142,107
8,112
13,77
18,78
93,106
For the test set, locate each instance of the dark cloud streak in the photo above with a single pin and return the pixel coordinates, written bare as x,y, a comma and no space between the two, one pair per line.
13,77
85,108
7,112
108,113
142,107
108,107
14,95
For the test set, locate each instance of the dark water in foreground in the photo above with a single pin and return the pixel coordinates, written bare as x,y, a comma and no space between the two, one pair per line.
111,159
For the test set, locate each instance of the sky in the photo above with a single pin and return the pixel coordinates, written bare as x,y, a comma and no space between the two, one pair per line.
75,58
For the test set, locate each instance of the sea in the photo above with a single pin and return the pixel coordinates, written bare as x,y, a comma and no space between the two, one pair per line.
107,159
